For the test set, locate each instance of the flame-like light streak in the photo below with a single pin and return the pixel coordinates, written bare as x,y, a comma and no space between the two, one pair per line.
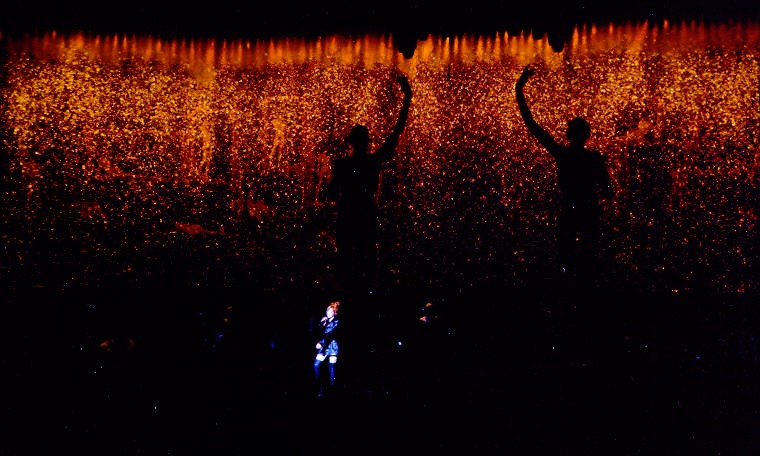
673,105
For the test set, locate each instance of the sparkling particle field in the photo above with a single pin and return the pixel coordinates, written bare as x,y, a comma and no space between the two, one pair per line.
128,159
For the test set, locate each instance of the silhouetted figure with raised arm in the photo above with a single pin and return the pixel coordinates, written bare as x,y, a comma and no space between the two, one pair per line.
354,186
583,179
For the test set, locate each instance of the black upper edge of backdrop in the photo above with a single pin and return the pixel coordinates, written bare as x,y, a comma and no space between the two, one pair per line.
408,21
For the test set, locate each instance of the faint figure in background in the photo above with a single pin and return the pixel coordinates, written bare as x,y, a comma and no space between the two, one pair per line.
354,186
583,178
327,347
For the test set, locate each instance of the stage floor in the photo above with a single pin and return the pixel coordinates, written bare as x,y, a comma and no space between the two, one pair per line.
497,372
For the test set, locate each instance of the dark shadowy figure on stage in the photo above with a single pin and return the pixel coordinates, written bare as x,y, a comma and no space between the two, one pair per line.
583,179
354,186
327,348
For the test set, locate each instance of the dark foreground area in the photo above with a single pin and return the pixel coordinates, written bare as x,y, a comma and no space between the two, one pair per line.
504,371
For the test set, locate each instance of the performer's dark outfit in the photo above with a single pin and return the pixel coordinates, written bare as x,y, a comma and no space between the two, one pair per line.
329,348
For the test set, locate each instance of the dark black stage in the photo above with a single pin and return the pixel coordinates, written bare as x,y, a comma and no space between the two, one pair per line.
561,372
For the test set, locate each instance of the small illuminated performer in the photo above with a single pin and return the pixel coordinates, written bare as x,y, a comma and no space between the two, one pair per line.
327,347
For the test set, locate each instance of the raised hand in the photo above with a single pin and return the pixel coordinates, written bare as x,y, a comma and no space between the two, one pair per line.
527,72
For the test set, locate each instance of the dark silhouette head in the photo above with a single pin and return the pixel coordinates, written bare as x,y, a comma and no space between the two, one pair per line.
359,138
578,131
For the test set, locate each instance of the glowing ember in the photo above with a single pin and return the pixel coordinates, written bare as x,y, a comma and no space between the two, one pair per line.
204,162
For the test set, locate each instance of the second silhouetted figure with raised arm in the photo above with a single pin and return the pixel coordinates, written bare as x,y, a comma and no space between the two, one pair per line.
583,179
354,186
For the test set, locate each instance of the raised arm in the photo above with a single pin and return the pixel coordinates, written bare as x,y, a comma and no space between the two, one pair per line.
389,145
536,130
